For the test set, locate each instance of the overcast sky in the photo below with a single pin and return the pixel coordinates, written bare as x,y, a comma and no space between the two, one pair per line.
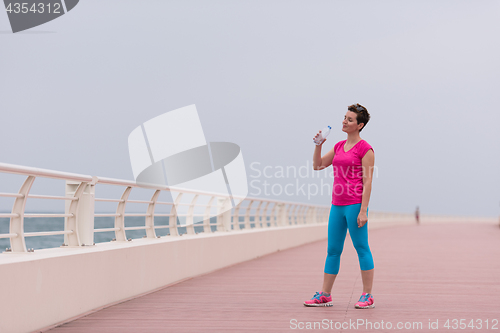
267,75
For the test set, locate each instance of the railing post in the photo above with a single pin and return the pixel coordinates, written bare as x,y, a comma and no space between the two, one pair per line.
236,217
172,220
150,218
82,221
314,216
283,217
17,243
208,212
300,215
305,214
264,216
258,217
247,215
292,214
120,234
274,219
223,214
190,216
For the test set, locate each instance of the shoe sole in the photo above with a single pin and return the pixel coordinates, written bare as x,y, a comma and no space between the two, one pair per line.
320,304
365,307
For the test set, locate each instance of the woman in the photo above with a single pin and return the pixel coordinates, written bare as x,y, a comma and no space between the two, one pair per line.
353,161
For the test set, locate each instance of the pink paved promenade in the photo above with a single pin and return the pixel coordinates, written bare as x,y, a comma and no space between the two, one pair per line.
423,274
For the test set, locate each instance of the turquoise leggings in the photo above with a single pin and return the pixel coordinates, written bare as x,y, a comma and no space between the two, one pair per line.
341,218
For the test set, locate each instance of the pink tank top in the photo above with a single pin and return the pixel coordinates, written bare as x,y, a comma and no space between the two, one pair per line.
348,173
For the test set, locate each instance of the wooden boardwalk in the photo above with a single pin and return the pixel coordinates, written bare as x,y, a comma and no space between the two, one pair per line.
423,274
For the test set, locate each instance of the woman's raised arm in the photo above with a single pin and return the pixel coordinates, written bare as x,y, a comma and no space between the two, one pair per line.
319,163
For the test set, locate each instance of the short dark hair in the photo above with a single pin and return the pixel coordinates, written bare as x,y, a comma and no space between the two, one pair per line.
362,115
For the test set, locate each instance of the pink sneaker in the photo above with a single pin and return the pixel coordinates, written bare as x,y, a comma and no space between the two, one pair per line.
365,302
319,300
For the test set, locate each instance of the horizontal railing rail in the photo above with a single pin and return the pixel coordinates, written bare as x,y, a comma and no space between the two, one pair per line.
194,211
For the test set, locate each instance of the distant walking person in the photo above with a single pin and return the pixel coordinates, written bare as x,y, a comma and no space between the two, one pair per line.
353,161
417,215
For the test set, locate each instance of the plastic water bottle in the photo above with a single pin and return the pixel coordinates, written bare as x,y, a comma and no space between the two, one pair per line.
322,136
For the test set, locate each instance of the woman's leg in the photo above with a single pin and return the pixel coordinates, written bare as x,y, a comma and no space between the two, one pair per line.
367,277
328,280
359,238
337,230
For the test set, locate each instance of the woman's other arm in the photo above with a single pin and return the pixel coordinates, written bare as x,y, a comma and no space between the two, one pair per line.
368,162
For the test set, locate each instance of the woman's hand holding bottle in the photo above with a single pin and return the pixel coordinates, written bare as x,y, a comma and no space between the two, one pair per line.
320,138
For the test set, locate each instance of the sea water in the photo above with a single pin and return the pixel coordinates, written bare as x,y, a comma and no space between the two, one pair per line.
37,224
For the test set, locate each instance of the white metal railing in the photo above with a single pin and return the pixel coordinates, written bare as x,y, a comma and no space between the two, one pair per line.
80,212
